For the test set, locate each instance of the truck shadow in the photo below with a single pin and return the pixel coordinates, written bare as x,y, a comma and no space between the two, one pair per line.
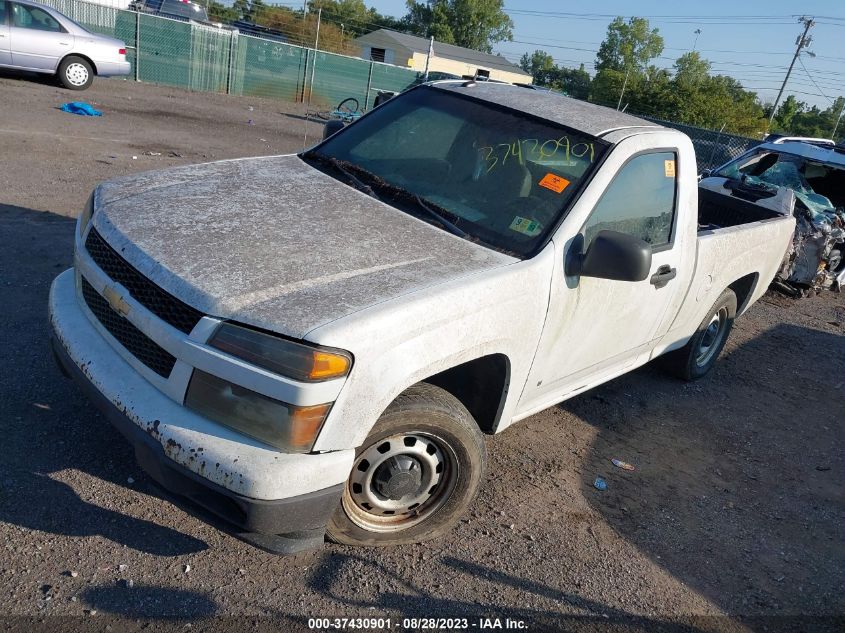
411,601
48,428
738,484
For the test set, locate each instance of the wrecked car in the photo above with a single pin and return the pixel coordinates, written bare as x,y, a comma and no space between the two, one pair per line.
316,344
804,179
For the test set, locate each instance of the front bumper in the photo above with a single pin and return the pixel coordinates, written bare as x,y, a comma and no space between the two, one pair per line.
296,493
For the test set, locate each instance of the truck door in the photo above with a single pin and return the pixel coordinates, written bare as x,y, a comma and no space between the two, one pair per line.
598,328
38,41
5,53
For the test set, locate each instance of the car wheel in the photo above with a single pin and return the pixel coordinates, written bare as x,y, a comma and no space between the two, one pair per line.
416,473
75,73
698,356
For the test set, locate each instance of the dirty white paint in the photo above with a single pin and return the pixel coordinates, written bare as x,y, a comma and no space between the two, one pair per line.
274,243
277,244
219,454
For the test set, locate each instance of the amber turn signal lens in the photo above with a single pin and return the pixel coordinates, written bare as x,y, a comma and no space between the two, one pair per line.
305,424
281,356
327,365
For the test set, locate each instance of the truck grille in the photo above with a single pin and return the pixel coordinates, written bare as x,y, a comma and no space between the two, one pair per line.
141,347
161,303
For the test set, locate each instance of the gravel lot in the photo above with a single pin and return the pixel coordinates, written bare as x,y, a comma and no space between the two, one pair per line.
733,519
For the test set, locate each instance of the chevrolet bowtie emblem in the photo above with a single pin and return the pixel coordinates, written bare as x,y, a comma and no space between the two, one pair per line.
117,302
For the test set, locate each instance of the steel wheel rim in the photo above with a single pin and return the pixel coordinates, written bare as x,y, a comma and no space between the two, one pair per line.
712,337
76,74
389,467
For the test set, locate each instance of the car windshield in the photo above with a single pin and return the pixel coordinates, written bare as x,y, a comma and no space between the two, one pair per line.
491,175
819,187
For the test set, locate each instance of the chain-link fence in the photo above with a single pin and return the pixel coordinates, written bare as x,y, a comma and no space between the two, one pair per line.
712,148
206,58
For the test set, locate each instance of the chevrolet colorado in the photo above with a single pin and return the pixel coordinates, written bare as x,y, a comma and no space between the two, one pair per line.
316,344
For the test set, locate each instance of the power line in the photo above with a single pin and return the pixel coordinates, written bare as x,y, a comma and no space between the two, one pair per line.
801,61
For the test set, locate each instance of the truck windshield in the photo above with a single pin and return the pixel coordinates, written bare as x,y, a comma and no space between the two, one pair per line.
488,174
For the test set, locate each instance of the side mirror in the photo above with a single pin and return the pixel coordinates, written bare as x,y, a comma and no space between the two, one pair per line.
611,255
332,127
705,173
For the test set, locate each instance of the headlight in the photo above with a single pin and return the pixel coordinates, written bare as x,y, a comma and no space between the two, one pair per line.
283,357
86,215
287,427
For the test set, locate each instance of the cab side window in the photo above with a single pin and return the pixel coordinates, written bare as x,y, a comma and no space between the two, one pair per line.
640,201
27,17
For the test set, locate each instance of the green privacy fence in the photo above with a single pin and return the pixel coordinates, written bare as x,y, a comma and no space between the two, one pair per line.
210,59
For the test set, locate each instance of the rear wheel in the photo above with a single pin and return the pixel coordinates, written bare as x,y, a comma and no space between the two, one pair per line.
75,73
698,356
416,473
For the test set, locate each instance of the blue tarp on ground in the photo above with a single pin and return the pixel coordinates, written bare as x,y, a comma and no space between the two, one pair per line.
80,108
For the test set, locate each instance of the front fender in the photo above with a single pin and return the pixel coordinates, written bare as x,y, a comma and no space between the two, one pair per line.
406,340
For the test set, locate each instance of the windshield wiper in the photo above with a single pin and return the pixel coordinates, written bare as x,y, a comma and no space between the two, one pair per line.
439,218
346,168
341,166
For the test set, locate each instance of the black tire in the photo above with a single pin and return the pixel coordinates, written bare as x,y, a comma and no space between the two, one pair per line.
75,73
698,356
350,104
433,417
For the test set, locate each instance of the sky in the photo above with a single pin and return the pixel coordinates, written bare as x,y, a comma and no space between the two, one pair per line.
751,40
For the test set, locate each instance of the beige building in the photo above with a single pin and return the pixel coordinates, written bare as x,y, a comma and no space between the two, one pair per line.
411,51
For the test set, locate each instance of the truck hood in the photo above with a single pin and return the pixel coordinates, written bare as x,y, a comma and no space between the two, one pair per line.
274,243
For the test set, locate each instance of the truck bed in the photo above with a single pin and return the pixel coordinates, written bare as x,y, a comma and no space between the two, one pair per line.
738,243
720,211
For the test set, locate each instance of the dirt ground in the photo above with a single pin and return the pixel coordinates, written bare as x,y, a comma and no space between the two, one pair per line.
732,520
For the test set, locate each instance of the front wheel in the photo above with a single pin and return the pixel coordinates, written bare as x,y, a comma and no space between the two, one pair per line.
75,73
698,356
416,473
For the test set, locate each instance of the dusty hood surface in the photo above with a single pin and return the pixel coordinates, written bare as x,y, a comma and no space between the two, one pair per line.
275,243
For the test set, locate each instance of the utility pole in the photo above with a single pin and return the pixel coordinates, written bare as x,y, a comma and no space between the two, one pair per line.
624,83
314,63
838,119
802,42
428,58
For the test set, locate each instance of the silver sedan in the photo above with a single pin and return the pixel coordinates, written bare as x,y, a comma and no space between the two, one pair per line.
38,38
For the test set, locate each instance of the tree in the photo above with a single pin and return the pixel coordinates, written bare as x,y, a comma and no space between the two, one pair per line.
354,15
475,24
540,65
691,70
248,9
629,46
221,13
607,86
574,82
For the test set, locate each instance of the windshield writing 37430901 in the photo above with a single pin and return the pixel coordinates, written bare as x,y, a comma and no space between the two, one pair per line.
534,150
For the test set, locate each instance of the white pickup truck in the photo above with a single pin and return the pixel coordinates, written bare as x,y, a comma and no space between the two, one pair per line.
317,344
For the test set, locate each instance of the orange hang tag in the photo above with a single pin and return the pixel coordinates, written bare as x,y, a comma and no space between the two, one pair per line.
555,183
669,168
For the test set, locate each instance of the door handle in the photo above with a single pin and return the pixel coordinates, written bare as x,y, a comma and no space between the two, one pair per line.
663,276
64,43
